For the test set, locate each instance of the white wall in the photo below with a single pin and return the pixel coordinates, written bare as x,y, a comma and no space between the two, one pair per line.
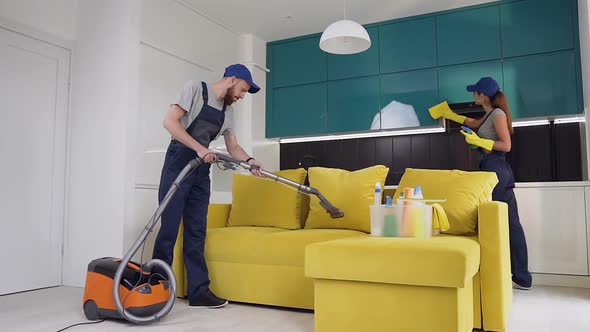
101,133
129,60
56,17
179,44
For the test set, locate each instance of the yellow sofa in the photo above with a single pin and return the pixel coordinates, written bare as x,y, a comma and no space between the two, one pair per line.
396,284
263,265
267,265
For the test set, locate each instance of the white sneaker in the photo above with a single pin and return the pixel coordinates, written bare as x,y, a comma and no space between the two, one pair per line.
517,286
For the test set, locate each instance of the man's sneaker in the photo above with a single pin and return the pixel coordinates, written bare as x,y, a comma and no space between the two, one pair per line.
517,286
208,300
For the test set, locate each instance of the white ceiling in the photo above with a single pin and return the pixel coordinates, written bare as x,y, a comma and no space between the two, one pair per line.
279,19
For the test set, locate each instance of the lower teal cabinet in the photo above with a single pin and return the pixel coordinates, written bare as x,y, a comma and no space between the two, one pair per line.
416,88
300,110
541,85
452,81
352,104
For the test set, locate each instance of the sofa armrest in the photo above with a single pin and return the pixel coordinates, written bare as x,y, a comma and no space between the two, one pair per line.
495,274
218,215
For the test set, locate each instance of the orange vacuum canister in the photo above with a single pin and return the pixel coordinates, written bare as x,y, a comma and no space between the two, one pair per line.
140,294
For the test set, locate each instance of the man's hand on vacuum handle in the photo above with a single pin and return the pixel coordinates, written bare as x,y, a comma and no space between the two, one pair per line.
237,152
175,128
258,167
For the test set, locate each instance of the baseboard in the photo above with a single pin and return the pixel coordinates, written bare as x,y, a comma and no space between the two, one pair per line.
561,280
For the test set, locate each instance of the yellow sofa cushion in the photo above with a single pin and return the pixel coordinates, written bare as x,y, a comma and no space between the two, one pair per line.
464,192
449,261
266,245
264,202
352,192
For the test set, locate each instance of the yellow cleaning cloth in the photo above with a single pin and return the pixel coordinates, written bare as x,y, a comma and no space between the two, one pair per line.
445,111
439,218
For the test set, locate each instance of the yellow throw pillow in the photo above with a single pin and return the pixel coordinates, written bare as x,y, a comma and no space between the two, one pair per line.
264,202
351,192
464,192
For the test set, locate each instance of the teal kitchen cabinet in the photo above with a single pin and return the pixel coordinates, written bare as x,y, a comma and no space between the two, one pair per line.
355,65
299,62
468,36
541,85
536,26
352,104
300,110
417,88
453,80
407,45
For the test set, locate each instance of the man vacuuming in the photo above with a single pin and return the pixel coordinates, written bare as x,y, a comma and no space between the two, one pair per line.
201,113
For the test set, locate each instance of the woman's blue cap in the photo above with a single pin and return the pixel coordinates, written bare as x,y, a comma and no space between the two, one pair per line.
486,85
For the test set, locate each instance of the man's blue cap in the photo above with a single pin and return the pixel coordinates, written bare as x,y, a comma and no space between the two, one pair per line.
240,71
486,85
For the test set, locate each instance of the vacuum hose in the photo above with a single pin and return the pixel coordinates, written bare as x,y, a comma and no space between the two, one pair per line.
154,262
331,209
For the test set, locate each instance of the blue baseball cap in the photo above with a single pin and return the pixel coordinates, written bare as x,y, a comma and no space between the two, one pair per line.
486,85
240,71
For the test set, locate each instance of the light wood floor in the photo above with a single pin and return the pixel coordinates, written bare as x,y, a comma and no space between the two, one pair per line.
542,309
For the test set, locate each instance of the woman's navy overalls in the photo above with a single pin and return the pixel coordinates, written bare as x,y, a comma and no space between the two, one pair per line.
504,192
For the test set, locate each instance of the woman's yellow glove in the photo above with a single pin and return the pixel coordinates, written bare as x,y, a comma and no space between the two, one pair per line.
473,139
445,111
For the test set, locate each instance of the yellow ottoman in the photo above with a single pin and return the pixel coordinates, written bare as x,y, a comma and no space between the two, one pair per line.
393,284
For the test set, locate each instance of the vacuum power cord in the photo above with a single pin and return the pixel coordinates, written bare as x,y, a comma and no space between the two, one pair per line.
78,324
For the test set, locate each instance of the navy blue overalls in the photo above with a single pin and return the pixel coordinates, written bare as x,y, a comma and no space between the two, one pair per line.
191,201
503,192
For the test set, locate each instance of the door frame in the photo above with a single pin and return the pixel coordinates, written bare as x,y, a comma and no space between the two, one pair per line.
61,173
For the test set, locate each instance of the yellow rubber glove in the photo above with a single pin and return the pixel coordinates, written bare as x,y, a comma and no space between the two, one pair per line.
445,111
473,139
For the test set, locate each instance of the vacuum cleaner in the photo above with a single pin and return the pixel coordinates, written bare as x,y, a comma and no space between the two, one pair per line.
121,289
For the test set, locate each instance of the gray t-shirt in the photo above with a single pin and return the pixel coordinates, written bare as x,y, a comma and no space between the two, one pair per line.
487,129
190,98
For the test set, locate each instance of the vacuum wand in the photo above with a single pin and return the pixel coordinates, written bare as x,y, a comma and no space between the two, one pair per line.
333,211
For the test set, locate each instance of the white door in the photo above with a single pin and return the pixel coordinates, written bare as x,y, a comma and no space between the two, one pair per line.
33,110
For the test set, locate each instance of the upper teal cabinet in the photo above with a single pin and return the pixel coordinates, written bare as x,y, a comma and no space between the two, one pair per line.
529,46
453,80
536,26
299,110
352,104
407,45
299,62
541,85
355,65
417,89
468,36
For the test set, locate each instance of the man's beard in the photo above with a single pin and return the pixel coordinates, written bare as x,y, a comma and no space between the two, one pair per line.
229,98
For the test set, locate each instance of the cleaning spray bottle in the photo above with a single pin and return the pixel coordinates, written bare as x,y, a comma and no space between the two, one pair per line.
391,222
378,194
419,214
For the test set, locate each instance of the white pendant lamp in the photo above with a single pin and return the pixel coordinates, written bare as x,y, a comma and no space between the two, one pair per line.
345,37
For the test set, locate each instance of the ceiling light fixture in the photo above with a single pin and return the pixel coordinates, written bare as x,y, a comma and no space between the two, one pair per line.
345,37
